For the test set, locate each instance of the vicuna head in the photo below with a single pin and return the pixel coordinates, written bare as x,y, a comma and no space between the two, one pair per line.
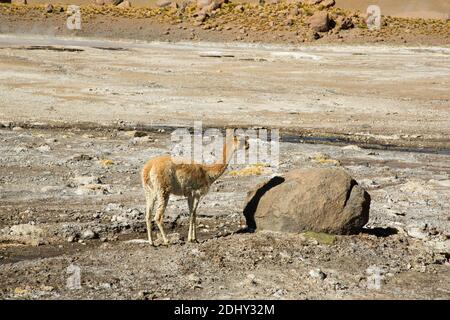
240,143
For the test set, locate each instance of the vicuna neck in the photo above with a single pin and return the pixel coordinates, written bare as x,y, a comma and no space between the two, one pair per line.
214,171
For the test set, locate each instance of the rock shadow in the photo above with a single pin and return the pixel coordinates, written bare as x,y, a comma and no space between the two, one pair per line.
380,232
252,205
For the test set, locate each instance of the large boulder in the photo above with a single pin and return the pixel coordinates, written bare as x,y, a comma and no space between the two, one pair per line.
315,199
319,21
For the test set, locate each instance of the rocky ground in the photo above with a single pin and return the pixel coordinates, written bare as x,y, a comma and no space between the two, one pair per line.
274,22
73,197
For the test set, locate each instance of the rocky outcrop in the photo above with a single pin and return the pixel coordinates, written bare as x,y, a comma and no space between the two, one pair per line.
344,23
108,2
23,233
209,5
48,8
125,4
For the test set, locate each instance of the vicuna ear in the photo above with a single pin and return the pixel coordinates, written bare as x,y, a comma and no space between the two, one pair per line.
229,135
247,144
235,141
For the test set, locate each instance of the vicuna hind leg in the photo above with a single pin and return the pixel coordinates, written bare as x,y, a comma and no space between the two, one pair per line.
151,199
194,233
193,203
191,208
161,204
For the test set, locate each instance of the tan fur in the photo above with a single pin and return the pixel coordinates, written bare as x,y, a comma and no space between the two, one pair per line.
164,175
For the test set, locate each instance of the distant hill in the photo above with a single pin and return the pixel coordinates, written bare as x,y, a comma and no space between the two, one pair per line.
431,9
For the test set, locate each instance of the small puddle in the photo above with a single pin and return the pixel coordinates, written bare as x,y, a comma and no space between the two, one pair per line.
52,48
111,48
